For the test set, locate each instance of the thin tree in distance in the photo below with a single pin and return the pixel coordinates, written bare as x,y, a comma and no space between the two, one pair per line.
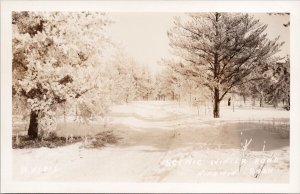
220,51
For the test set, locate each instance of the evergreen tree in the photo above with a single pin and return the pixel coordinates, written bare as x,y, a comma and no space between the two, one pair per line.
220,50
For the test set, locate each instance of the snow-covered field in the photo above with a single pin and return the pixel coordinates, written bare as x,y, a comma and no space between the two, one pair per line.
164,142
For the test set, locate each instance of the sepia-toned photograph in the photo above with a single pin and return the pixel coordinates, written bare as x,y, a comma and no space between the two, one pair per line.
150,97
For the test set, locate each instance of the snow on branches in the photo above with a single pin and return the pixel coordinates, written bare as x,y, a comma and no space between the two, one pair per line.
220,50
55,55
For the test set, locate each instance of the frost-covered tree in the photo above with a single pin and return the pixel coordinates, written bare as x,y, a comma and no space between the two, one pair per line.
161,91
178,86
220,50
54,60
122,72
144,83
171,84
189,89
128,79
279,89
262,81
272,83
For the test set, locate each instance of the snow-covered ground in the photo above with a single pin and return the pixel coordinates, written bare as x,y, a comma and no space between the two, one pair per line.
165,142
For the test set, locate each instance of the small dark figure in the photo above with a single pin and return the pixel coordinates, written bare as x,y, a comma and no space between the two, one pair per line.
229,101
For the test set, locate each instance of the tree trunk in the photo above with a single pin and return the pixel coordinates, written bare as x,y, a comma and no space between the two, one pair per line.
76,113
261,101
275,103
33,125
64,112
216,111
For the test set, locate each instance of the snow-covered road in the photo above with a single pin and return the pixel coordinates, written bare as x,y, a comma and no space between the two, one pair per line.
162,142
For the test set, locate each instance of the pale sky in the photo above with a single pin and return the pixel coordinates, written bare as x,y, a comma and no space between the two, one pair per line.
144,35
